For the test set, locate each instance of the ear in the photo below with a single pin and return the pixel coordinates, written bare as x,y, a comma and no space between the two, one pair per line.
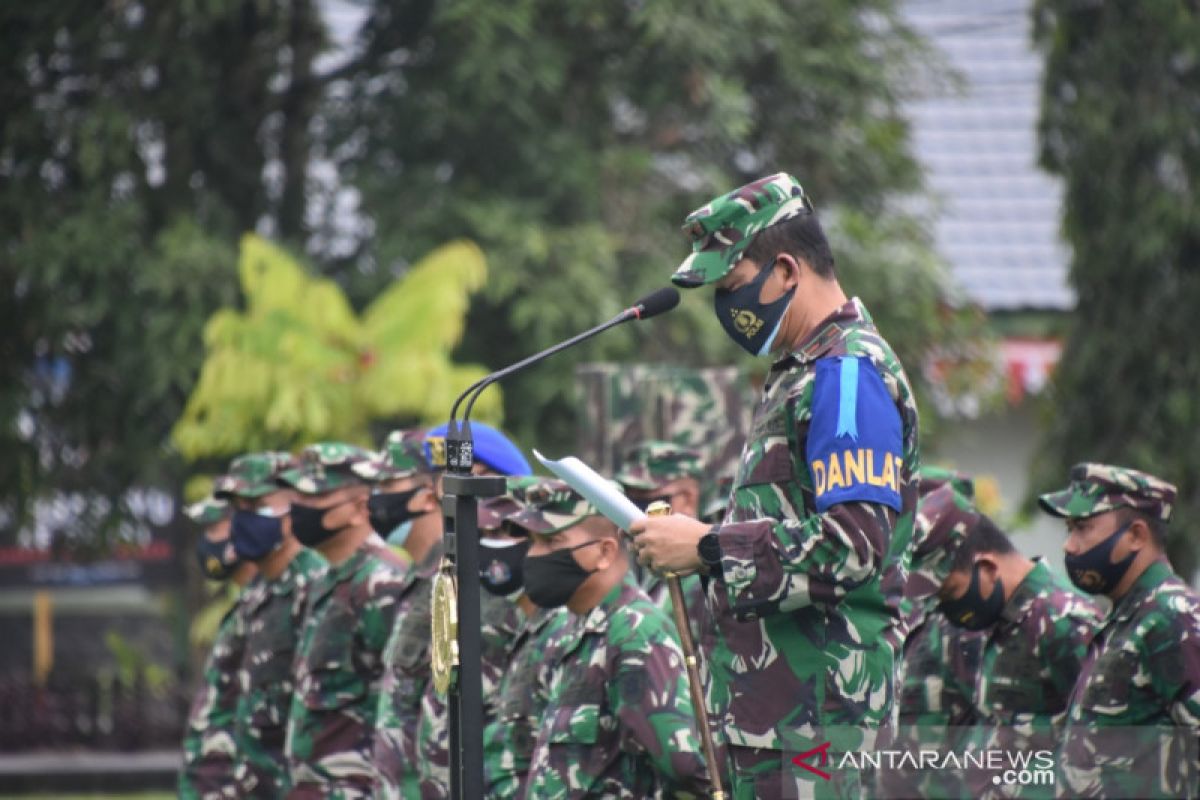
1140,535
609,548
789,269
988,568
426,500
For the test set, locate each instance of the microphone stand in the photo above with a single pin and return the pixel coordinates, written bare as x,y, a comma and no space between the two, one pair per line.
460,503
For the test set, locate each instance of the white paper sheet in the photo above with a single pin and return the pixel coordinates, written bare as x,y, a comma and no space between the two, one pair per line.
595,488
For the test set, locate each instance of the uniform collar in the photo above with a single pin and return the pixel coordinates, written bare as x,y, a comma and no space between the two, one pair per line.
1154,576
1035,582
596,620
826,333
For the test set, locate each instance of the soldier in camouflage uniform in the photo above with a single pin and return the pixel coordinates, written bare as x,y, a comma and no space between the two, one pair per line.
656,470
618,720
209,753
405,499
1133,721
352,609
1037,630
514,708
811,560
500,557
940,660
274,616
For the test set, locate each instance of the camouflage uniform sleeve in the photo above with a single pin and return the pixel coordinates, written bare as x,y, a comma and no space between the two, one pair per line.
649,695
1173,656
1065,652
770,566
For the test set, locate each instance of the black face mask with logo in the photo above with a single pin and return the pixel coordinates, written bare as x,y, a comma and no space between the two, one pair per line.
552,579
973,611
217,560
748,321
501,566
1093,570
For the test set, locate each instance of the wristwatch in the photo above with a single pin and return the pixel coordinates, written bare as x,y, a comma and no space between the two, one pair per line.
709,549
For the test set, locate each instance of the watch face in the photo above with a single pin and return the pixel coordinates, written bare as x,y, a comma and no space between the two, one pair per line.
710,549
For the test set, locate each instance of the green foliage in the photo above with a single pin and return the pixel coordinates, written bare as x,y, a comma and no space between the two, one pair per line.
571,140
299,366
1119,109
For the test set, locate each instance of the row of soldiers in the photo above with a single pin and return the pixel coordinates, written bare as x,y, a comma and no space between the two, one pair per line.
842,591
319,679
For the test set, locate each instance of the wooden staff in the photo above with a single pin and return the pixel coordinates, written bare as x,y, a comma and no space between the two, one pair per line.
695,687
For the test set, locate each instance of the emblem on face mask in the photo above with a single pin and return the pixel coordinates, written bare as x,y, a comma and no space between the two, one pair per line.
747,323
1088,580
212,566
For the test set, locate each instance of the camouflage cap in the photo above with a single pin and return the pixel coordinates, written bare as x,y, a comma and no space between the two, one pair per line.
495,511
944,518
253,475
208,511
930,477
722,229
325,467
551,506
653,464
1096,488
402,456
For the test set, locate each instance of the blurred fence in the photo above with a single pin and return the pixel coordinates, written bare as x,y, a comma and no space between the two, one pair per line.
96,713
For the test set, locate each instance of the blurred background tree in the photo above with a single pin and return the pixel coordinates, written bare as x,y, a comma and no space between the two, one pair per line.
1121,97
571,141
140,141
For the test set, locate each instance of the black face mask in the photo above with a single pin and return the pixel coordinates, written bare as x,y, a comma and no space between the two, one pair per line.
389,510
552,579
308,527
1093,570
748,321
501,566
973,611
217,560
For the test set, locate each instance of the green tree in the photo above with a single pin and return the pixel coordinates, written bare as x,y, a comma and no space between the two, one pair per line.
1120,100
570,140
137,142
298,365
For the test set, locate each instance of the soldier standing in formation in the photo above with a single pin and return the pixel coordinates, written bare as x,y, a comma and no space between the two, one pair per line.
209,752
618,721
1133,721
351,613
810,562
274,616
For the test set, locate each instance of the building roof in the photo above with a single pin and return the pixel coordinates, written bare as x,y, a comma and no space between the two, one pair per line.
1000,214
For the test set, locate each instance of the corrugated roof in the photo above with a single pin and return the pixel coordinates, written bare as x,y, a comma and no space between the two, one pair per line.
1000,213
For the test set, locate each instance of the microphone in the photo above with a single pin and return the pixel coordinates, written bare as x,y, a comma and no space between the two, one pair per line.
459,455
660,301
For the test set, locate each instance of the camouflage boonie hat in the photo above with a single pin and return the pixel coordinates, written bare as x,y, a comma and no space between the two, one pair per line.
495,511
722,229
402,456
324,467
1096,488
253,475
551,506
208,511
653,464
944,518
